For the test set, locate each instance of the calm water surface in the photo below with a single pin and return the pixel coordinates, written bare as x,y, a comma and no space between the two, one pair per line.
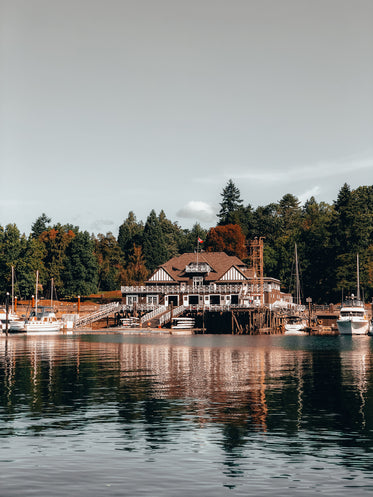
138,415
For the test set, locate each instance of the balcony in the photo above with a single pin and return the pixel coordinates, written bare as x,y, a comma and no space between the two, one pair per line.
200,267
184,289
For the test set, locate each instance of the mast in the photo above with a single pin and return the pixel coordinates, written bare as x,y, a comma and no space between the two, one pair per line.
36,292
12,289
358,277
297,298
52,292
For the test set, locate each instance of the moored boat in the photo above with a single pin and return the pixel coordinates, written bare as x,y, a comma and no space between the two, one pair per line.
295,325
353,319
43,321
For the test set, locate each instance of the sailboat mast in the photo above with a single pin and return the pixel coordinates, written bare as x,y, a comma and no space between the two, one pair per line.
358,277
52,292
36,292
297,276
12,289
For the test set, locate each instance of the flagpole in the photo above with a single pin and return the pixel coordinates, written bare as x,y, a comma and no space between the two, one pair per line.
197,252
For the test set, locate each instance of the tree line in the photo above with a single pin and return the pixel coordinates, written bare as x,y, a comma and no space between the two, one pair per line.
328,238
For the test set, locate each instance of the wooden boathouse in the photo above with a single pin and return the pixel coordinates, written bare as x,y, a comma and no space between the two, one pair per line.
221,291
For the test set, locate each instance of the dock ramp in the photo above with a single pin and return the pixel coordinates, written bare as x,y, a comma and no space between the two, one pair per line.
102,312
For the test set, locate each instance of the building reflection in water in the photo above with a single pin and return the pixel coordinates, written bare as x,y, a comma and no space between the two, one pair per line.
244,389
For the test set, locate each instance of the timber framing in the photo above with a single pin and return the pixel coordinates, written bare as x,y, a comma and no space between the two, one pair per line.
208,281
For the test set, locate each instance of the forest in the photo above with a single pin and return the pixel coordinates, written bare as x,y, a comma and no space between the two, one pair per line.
328,238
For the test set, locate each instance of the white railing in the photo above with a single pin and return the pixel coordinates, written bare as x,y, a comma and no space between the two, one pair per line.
154,313
171,289
138,307
175,312
102,312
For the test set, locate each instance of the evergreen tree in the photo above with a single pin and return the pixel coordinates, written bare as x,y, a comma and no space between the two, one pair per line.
80,272
136,272
171,234
315,251
231,205
154,247
130,233
56,240
188,241
110,261
40,225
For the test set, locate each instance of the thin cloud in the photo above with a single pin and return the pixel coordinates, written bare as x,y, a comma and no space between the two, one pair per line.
306,172
100,224
198,210
313,192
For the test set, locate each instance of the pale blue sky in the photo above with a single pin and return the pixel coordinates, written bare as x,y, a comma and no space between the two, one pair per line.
109,106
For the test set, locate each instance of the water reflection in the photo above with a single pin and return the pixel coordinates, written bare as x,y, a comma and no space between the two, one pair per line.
296,398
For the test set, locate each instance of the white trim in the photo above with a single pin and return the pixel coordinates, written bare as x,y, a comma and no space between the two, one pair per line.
233,274
161,275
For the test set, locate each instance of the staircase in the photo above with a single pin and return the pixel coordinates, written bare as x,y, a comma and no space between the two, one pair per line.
103,312
166,318
153,314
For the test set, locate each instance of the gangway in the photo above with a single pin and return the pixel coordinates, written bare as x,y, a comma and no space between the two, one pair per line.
102,312
166,318
153,314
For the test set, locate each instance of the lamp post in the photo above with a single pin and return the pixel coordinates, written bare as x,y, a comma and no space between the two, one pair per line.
309,300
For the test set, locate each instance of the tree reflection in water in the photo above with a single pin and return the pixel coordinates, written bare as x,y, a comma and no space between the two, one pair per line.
157,390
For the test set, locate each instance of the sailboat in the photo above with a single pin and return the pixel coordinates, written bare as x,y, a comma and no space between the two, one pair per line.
353,319
14,322
295,324
42,320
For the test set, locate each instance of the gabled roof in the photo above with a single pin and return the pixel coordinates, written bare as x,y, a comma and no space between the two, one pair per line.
219,262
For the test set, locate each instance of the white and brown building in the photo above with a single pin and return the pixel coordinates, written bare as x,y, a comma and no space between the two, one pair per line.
206,280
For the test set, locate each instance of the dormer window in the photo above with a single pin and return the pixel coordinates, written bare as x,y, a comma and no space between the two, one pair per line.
197,280
200,267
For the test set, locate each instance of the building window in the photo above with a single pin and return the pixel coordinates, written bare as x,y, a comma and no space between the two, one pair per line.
132,299
197,280
152,299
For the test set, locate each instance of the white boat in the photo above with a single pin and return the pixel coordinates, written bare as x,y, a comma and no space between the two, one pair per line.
295,325
353,319
11,316
42,320
15,323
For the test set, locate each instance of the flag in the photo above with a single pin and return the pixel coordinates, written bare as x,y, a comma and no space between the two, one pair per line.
199,240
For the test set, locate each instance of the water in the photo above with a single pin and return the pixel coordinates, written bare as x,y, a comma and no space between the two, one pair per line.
139,415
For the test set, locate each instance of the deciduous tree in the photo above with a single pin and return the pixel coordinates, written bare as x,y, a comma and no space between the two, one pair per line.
228,238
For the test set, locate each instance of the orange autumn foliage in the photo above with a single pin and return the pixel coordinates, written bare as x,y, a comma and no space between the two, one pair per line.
228,238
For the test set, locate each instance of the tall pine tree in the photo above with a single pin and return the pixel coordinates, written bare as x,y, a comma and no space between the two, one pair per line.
231,205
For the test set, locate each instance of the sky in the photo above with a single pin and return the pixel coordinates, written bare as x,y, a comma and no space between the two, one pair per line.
111,106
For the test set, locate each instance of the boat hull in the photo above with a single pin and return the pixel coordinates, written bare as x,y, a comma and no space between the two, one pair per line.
351,327
42,329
